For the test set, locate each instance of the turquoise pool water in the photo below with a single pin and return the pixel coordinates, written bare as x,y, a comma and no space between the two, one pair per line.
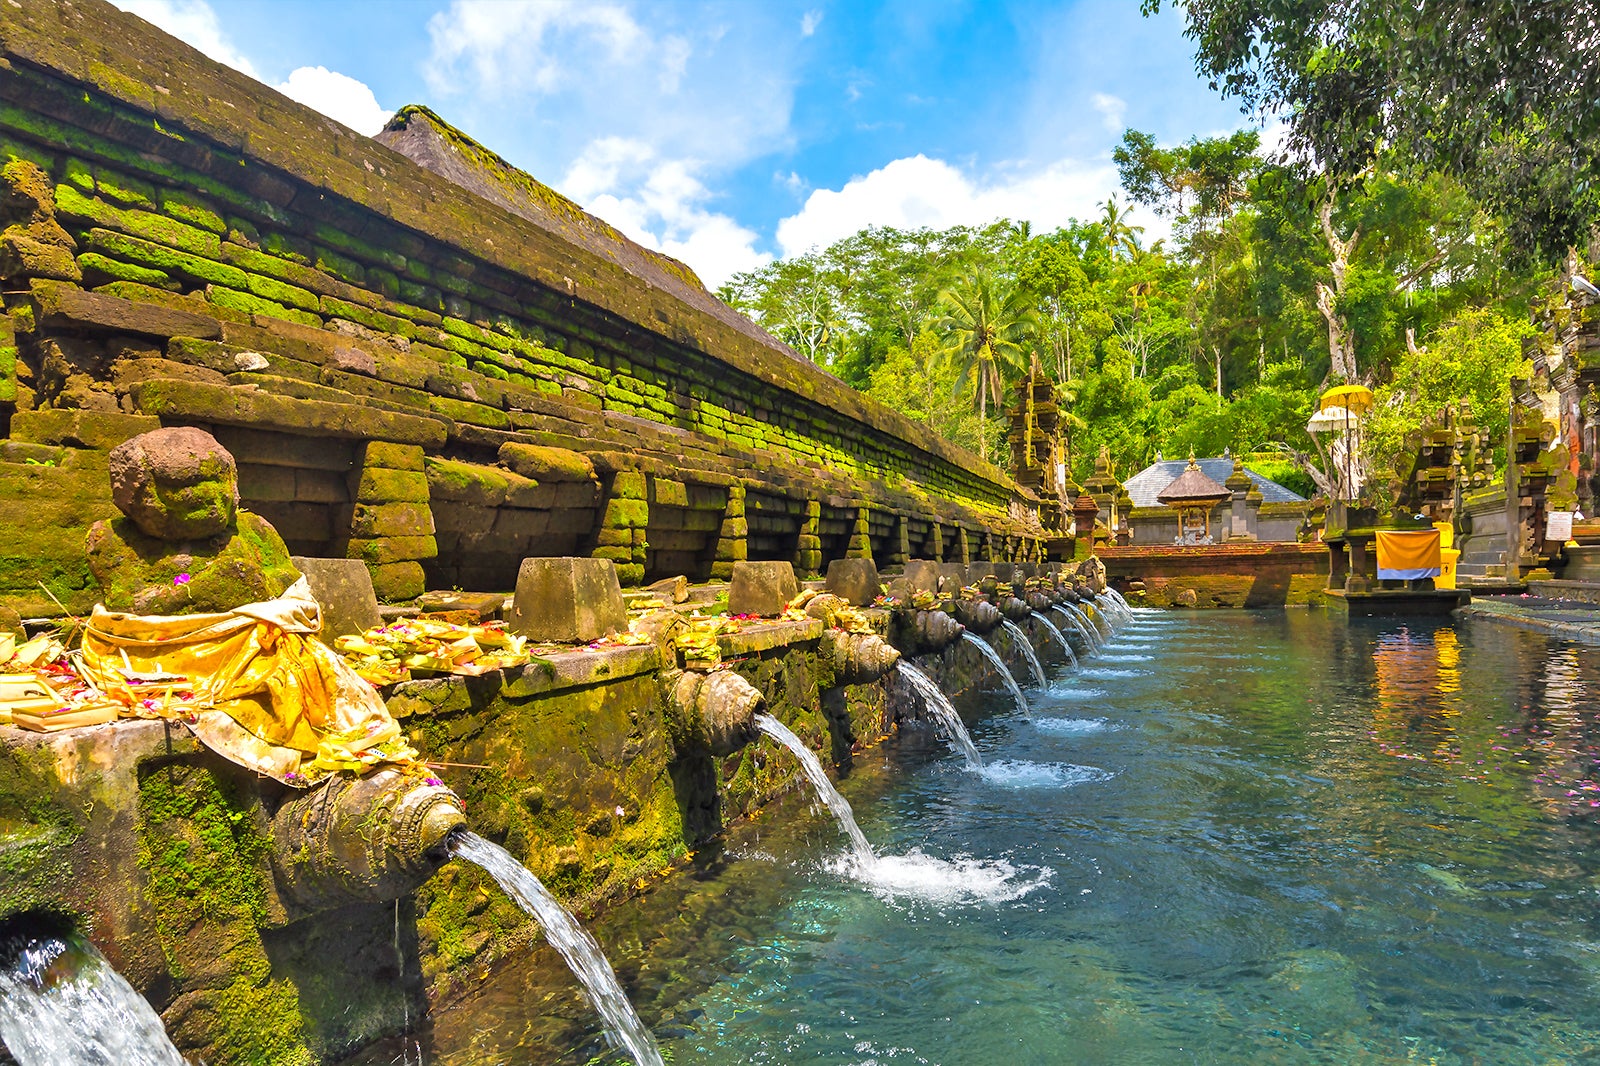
1233,838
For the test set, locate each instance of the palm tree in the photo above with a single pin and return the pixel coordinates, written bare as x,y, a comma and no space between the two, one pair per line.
1120,234
985,324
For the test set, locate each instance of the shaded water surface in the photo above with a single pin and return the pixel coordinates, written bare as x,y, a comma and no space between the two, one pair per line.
1306,842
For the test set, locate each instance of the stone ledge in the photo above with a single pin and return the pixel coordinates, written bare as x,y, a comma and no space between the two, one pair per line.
240,406
581,667
758,637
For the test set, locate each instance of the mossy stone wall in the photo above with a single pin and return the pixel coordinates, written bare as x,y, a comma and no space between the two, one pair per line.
224,258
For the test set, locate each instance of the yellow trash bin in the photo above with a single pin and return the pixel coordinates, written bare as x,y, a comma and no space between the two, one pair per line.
1448,557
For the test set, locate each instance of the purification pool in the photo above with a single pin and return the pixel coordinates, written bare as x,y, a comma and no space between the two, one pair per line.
1232,837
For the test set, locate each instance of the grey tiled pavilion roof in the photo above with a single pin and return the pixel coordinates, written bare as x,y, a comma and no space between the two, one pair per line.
1148,483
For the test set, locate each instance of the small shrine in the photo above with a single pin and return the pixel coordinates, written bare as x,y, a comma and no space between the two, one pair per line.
1038,457
1194,495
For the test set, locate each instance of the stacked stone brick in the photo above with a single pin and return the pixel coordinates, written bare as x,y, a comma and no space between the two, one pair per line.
238,264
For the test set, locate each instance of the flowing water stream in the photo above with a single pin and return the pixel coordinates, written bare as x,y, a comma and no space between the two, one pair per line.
1058,636
61,1004
577,947
999,664
1020,640
812,766
1314,841
1090,635
943,712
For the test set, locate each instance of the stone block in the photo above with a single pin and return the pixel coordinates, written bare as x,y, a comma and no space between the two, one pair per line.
855,581
392,520
762,588
391,549
266,482
62,305
398,581
922,575
101,430
344,589
378,484
568,600
483,606
319,486
390,456
546,464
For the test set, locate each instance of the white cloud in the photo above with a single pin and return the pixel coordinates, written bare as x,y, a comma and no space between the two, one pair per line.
194,23
338,96
520,44
661,203
918,191
809,23
1112,110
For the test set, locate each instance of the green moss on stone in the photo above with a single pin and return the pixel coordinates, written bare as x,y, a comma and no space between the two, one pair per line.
99,268
392,486
283,293
189,208
159,257
139,573
249,304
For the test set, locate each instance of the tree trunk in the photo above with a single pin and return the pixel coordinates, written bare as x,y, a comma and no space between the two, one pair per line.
1341,341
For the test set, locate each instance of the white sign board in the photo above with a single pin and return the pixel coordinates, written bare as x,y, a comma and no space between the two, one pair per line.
1558,526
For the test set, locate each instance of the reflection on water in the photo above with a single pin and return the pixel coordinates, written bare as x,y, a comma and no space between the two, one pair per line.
1311,842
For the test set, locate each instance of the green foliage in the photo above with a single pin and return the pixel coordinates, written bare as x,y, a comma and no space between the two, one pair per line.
1468,365
1218,341
1498,93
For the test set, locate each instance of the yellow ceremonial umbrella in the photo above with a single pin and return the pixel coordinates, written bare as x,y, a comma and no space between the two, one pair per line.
1353,398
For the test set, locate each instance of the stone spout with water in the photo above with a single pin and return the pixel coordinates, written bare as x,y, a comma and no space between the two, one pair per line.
925,632
712,711
978,616
363,839
858,658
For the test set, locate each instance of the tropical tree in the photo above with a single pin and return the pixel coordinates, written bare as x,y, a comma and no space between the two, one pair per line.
1120,235
986,325
1499,94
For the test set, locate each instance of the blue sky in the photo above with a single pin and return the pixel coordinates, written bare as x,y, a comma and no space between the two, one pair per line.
731,133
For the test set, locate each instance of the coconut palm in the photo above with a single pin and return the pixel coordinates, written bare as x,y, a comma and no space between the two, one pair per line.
985,325
1120,234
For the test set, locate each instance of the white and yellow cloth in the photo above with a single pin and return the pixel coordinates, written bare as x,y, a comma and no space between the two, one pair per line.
264,691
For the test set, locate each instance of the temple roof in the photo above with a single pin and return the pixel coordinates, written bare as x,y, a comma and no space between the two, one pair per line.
1192,486
1145,486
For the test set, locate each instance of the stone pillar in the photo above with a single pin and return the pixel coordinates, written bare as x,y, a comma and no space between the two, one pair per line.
861,539
963,546
808,549
1362,566
936,543
1338,565
391,523
621,537
733,541
902,541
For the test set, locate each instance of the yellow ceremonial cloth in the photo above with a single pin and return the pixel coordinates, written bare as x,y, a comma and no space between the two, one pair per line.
267,693
1408,550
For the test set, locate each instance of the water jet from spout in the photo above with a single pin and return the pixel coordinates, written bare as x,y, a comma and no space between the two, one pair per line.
61,1004
577,947
999,664
770,726
1021,639
1060,638
944,713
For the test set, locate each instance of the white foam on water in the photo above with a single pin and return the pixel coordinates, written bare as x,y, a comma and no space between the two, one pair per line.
1121,645
1070,727
1125,658
1019,773
1072,692
1098,674
960,881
